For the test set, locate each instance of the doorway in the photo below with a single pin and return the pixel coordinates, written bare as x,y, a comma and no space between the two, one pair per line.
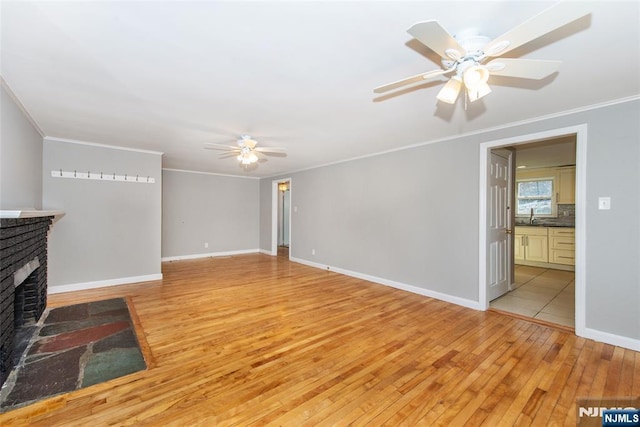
544,286
284,217
281,217
543,232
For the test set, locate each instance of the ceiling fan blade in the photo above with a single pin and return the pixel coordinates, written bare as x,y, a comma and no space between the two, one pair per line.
268,150
435,37
546,21
210,146
523,68
272,154
410,80
227,155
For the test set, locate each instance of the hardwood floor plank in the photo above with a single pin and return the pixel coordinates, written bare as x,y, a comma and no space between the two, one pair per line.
259,340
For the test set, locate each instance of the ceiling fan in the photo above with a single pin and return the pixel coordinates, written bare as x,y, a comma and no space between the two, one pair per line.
246,150
465,56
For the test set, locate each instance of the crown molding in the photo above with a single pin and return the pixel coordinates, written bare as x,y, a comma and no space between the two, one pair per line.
211,173
471,133
21,106
95,144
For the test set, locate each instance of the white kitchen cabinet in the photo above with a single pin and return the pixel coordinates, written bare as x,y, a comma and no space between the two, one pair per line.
531,244
566,185
562,246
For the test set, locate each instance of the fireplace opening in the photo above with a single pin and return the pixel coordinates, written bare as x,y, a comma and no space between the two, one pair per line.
29,302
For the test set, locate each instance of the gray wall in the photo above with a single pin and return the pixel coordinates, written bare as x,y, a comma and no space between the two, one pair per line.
111,230
201,208
20,158
412,216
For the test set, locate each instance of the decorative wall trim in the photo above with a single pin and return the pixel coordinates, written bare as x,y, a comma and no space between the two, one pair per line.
211,173
609,338
393,284
467,134
210,255
95,144
103,283
21,106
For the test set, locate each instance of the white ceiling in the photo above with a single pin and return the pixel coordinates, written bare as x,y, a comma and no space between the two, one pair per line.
171,76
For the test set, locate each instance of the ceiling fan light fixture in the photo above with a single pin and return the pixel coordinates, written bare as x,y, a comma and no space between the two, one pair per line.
449,93
475,76
478,92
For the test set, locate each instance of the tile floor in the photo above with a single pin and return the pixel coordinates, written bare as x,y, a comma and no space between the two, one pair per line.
541,293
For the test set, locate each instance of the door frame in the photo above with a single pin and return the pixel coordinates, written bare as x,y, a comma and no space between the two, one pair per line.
580,225
274,214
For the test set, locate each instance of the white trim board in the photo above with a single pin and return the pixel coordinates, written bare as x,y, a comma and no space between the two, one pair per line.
95,144
393,284
606,337
467,134
102,283
210,173
21,106
210,255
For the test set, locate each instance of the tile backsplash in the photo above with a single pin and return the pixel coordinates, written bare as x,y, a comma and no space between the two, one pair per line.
566,218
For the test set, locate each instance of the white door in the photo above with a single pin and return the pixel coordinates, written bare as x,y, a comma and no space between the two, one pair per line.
498,221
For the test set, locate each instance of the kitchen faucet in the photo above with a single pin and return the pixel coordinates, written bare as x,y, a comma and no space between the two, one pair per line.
531,218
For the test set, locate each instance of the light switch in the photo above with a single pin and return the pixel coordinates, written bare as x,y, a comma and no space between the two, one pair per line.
604,203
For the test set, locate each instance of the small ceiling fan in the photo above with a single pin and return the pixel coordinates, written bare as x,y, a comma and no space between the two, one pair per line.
465,56
246,151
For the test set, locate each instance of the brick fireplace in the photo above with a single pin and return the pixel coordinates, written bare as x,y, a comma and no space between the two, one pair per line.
23,280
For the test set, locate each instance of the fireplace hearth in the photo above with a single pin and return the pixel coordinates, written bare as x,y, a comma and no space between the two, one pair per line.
23,280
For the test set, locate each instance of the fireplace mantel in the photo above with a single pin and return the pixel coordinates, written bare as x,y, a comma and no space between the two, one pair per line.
31,213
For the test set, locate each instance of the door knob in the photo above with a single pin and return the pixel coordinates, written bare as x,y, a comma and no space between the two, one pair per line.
508,231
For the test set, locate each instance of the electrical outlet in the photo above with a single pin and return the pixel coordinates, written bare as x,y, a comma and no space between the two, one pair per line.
313,251
206,245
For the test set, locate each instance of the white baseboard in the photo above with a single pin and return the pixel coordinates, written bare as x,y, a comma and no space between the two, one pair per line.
102,283
210,254
613,339
266,252
605,337
391,283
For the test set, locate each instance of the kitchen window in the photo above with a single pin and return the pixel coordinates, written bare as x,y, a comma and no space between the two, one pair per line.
536,194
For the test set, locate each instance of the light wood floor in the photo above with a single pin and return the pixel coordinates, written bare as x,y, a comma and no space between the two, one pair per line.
257,340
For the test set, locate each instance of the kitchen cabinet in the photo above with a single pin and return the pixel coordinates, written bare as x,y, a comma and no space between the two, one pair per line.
531,244
566,185
562,246
564,177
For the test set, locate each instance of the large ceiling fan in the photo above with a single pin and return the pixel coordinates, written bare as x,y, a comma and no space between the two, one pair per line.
466,57
246,151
